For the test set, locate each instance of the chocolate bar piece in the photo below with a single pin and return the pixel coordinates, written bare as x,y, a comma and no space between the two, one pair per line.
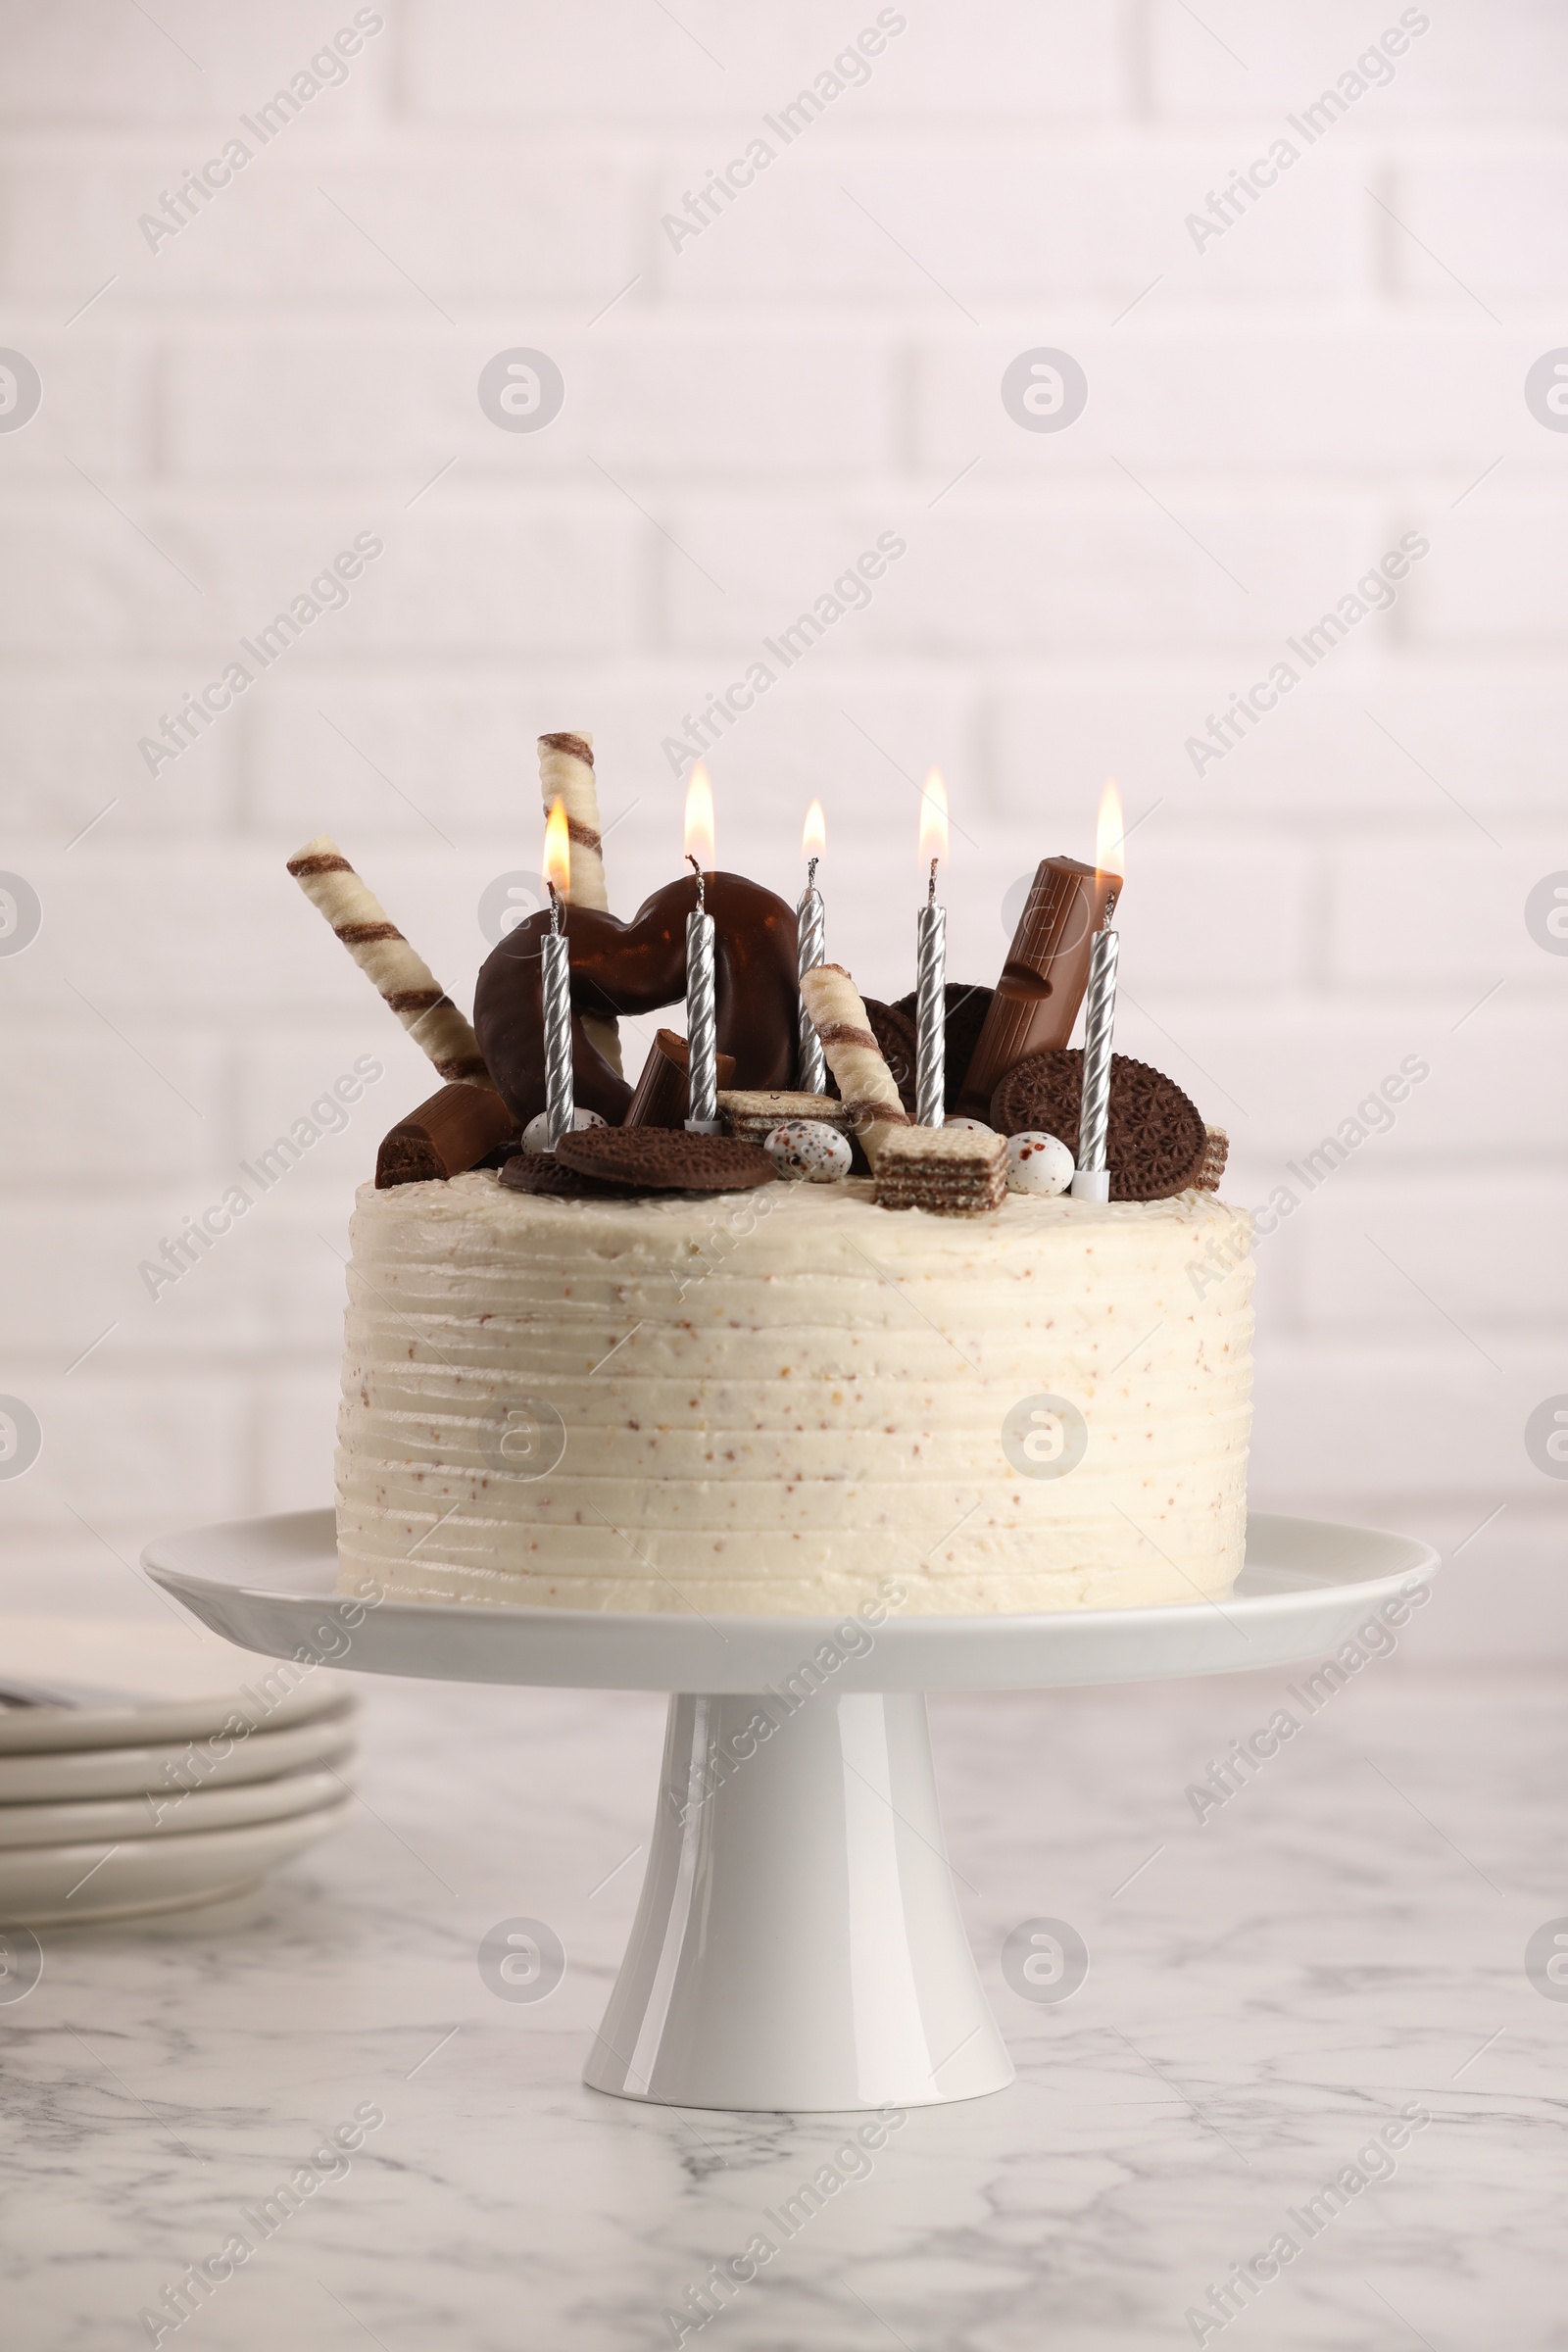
456,1130
663,1090
1042,981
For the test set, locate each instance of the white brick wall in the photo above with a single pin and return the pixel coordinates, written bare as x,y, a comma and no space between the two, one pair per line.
1346,362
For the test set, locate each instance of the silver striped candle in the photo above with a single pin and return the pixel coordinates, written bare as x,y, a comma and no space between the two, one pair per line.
931,1009
702,1020
557,953
810,925
1099,1015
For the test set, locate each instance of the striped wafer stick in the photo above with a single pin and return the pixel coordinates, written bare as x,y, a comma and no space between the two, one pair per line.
567,774
407,985
870,1097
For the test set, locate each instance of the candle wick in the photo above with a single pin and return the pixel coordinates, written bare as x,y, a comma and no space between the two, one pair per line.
811,872
931,892
698,871
1110,908
555,911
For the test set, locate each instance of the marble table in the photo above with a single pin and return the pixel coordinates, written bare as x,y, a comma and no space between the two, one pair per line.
1340,1939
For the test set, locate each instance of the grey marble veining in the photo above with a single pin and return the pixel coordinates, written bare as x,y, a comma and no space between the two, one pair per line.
1342,1937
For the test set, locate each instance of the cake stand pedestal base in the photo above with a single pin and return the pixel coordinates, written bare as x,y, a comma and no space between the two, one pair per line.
798,1943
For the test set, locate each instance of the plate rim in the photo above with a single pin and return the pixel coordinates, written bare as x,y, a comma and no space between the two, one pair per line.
912,1639
198,1842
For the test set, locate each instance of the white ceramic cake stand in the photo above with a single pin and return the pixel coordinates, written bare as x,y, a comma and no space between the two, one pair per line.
798,1945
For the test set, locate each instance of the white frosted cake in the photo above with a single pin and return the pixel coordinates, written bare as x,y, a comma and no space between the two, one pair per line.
773,1400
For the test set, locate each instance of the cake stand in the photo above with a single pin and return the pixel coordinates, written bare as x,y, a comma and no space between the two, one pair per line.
798,1945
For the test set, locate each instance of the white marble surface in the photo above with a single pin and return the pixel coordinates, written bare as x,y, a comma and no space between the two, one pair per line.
1342,1938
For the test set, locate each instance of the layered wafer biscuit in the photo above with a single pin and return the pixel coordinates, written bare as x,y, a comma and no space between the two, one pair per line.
404,980
754,1115
866,1086
567,774
949,1172
1212,1167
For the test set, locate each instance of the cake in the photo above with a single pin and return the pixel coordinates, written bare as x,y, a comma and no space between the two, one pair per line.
773,1401
686,1346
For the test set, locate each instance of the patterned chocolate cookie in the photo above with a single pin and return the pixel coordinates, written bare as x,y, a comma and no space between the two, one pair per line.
1156,1144
543,1172
662,1159
966,1010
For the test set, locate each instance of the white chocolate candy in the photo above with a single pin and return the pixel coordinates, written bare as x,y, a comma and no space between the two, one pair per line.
976,1126
1038,1164
808,1151
536,1135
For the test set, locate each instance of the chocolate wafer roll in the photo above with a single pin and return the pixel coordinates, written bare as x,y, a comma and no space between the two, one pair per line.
865,1083
567,774
407,985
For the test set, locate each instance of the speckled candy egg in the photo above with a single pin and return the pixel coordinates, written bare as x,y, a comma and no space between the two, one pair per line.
976,1126
536,1135
808,1151
1038,1164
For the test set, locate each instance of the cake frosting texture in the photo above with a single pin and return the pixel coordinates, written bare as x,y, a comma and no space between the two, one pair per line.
773,1401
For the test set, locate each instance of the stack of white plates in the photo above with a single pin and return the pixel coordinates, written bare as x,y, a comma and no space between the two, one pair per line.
146,1766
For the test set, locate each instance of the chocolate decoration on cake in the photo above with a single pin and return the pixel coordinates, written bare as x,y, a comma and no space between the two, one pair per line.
640,967
947,1171
542,1172
458,1129
1216,1152
1036,1000
1158,1144
897,1042
663,1097
665,1160
967,1011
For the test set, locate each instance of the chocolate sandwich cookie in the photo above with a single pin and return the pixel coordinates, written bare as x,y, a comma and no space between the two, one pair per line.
542,1172
1156,1143
662,1159
949,1172
964,1018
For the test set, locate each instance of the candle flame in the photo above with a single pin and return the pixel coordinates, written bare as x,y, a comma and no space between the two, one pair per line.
1111,849
933,818
814,837
557,849
699,842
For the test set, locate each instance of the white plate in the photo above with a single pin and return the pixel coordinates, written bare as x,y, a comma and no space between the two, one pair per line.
130,1770
168,1814
133,1683
58,1886
1308,1584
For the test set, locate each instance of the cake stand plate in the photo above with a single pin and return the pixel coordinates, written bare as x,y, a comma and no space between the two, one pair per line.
798,1945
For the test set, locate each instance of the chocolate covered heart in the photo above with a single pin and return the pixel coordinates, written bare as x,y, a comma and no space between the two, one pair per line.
636,967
